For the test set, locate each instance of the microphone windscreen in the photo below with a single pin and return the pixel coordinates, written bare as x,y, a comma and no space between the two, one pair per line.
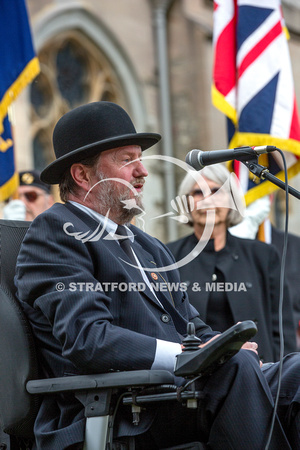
193,159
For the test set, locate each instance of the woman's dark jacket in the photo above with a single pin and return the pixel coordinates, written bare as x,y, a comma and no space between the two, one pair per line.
251,272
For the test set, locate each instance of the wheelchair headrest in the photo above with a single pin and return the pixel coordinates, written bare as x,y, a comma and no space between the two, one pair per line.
12,233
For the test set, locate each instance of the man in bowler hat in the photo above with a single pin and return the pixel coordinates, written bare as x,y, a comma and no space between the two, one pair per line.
78,243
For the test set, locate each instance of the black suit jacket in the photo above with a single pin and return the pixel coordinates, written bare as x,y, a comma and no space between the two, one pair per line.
292,267
250,264
83,325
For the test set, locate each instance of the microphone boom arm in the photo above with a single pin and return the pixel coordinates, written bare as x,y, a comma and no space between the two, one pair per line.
263,173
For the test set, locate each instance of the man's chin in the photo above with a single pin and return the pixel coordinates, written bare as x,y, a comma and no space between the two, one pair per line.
126,215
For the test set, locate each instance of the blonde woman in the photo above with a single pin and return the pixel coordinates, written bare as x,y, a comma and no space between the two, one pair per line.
232,279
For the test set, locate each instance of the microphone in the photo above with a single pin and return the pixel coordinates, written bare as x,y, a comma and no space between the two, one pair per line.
199,159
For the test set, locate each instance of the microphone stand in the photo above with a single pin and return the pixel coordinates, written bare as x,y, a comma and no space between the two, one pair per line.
263,173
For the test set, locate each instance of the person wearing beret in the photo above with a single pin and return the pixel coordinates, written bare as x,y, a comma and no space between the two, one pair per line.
33,197
89,239
232,279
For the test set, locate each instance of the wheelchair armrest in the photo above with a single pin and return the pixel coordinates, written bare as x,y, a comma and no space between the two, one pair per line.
77,383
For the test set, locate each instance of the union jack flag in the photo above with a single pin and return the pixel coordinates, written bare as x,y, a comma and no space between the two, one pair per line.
253,85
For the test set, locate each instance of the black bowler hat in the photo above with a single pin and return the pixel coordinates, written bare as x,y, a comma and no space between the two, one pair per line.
32,178
90,129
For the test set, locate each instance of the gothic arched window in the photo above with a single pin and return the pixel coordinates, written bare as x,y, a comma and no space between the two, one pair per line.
74,71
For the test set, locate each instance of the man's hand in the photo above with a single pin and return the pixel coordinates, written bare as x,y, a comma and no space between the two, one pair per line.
203,345
253,346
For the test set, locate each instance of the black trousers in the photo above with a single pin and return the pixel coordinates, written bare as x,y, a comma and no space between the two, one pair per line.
236,410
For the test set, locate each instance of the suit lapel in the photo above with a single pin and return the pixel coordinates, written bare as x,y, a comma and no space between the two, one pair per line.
164,303
147,261
144,257
164,296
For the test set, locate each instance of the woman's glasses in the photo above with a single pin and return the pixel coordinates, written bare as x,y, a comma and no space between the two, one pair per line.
199,193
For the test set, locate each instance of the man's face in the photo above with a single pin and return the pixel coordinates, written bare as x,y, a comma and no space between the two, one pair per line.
36,200
118,183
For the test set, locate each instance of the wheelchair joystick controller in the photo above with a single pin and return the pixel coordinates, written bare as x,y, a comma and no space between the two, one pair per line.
191,341
215,352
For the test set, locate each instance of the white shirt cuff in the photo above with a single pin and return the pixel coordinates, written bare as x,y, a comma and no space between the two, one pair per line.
165,355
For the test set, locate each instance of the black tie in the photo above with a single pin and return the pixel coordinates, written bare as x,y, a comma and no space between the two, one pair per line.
125,243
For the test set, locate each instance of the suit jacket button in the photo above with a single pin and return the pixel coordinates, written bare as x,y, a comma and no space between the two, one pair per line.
248,284
165,318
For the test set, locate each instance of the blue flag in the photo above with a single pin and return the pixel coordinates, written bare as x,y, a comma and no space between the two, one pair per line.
19,66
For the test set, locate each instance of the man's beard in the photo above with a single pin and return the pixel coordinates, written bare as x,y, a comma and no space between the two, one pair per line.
122,206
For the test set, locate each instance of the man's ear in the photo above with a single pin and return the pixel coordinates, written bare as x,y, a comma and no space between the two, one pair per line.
81,175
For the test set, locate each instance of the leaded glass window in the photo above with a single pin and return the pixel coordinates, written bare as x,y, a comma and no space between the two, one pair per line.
73,71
